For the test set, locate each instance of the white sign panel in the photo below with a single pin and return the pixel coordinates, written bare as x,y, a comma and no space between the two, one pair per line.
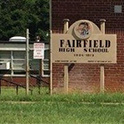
99,48
38,51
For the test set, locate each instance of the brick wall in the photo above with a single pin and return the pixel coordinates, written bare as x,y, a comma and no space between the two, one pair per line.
22,81
85,77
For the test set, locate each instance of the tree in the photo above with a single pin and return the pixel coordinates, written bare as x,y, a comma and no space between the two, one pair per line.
16,16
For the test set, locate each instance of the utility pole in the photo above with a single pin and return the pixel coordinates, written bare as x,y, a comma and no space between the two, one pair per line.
27,61
51,64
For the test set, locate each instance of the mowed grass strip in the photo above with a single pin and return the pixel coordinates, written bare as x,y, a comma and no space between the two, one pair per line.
73,108
60,113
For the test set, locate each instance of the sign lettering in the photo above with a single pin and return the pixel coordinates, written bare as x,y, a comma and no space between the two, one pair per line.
97,49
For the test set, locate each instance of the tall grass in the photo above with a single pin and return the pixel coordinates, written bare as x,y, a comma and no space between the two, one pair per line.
9,94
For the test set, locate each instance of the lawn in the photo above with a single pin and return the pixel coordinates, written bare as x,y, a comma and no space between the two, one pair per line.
60,109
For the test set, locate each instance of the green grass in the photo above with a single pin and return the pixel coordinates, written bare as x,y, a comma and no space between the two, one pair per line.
60,113
60,109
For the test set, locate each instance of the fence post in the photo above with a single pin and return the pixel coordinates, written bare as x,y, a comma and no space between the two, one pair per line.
16,89
0,86
38,83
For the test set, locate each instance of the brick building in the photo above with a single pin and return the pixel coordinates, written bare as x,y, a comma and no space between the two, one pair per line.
86,77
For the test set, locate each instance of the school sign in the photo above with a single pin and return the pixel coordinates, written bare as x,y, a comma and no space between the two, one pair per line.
84,43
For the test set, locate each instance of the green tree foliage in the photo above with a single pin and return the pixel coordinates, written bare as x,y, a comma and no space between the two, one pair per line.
17,15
